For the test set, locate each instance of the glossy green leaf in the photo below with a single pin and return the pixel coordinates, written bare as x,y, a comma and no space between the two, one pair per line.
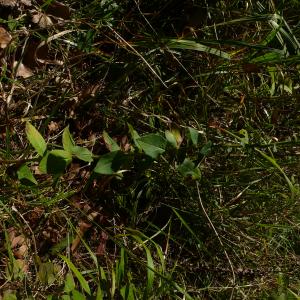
82,153
67,140
193,135
35,139
84,284
152,144
188,168
110,143
110,163
25,175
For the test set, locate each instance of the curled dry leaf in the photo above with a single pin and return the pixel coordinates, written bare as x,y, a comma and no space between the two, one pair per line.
42,20
18,243
53,126
82,229
22,70
26,2
5,38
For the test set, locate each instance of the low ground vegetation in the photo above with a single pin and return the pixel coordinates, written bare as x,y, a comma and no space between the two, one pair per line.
149,149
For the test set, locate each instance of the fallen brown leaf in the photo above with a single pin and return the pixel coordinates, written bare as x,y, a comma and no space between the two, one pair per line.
5,38
22,70
42,20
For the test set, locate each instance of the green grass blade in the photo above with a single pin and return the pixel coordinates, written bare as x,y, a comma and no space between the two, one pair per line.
84,284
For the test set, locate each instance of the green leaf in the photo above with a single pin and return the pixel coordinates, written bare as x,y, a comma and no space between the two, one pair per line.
55,162
206,149
84,284
69,283
127,292
192,45
245,139
77,295
171,138
35,139
9,295
150,270
43,163
67,140
25,175
193,135
152,144
46,273
110,143
99,295
187,168
134,136
267,58
110,163
82,153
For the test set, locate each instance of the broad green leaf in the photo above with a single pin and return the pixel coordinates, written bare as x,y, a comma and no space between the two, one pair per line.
171,138
110,163
67,140
69,283
84,284
55,161
25,175
134,135
206,149
188,168
46,273
77,295
110,143
193,135
43,163
152,144
82,153
35,139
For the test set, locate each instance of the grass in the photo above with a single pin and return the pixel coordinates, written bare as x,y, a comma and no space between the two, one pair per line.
153,153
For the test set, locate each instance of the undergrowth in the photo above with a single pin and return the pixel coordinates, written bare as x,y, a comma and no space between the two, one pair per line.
149,149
